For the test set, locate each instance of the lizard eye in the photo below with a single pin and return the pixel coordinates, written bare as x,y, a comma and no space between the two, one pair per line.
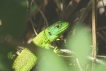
58,26
50,33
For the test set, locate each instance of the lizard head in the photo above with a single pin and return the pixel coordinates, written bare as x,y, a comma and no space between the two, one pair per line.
57,29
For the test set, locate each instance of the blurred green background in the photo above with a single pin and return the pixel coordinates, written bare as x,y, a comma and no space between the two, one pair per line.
13,22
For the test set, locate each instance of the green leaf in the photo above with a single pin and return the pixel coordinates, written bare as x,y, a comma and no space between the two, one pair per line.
80,43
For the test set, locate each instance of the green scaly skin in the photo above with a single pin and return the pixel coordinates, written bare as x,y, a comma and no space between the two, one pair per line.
26,60
46,37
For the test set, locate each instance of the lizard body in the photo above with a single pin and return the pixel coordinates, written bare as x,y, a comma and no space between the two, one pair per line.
43,39
46,37
25,61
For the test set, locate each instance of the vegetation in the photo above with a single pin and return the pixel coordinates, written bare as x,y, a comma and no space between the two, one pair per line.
21,20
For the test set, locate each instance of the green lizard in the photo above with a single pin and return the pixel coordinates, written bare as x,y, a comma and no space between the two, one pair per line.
26,60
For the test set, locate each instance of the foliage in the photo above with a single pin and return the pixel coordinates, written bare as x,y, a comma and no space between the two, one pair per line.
21,19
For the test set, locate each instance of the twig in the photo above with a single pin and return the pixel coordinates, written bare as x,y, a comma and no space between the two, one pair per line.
97,60
71,8
101,37
0,22
79,64
101,56
33,26
102,28
93,31
41,14
85,13
28,14
89,57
